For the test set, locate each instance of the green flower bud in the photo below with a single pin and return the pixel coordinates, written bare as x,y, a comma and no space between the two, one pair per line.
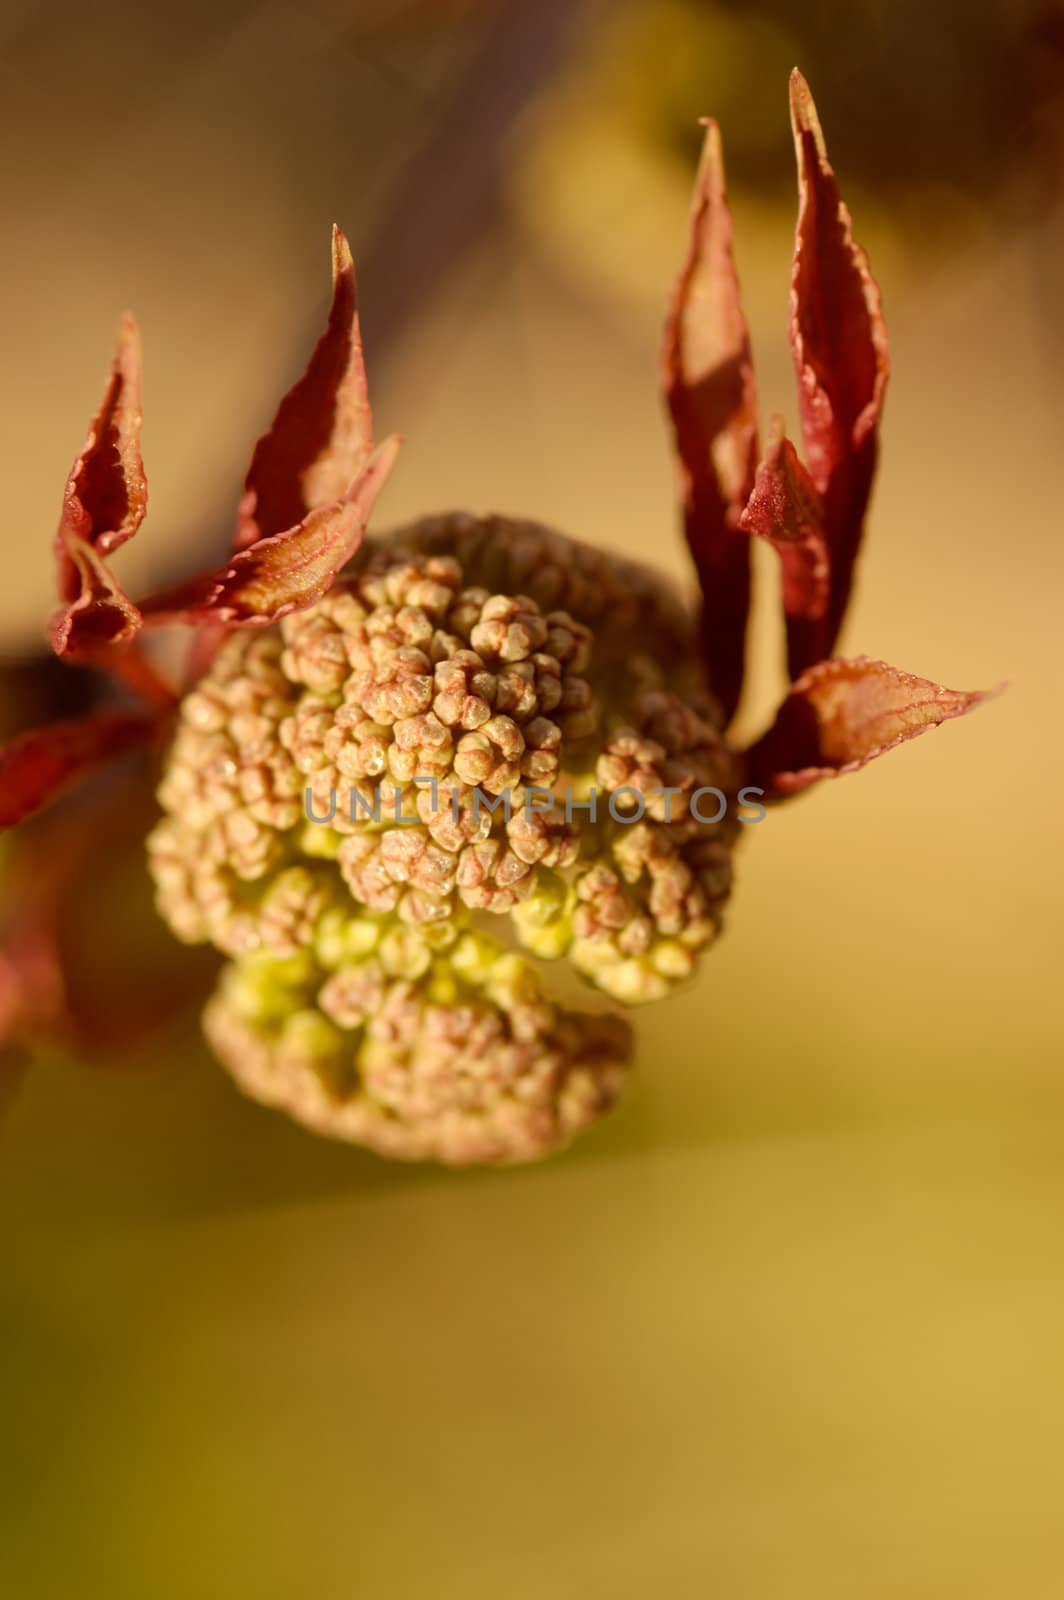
354,799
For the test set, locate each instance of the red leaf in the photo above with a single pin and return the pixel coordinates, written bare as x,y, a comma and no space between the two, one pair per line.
102,615
37,766
322,435
103,506
708,383
839,345
786,509
288,572
59,982
841,714
106,494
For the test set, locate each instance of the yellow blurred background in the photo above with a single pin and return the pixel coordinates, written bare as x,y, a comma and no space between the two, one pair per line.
790,1323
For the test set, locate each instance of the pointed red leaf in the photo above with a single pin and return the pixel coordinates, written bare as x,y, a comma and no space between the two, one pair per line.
100,616
104,504
37,766
106,494
288,572
322,435
839,345
841,714
786,509
708,382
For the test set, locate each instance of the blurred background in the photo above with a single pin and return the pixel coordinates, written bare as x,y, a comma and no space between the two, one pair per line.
790,1322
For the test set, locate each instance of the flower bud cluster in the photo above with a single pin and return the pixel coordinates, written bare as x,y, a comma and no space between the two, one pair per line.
231,798
387,767
374,1037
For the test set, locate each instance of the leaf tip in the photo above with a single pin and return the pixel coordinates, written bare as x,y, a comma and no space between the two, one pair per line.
712,141
124,384
804,117
803,107
841,714
342,259
128,342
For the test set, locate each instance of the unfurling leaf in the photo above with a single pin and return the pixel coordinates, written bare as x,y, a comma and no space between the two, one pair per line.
101,616
786,509
37,766
106,494
841,714
322,435
104,504
839,345
708,382
288,572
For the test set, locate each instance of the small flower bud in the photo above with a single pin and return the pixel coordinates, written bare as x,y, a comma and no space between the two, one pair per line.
462,727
